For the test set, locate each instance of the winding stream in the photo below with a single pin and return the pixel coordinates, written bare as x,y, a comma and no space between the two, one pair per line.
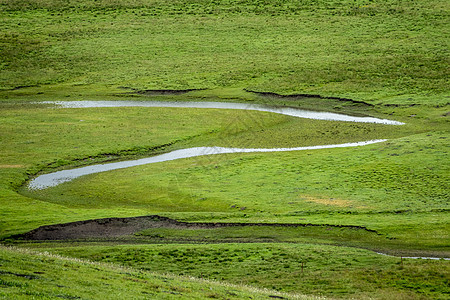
416,257
288,111
53,179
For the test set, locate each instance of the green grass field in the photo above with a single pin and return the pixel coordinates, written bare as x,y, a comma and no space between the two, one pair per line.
364,50
386,59
329,270
35,275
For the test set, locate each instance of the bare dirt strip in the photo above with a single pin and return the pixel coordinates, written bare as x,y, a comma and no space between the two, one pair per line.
116,227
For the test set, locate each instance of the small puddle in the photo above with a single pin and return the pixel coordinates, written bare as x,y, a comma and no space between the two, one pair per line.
53,179
415,257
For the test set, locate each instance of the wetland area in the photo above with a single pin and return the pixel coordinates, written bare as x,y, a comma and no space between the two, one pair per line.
53,179
194,149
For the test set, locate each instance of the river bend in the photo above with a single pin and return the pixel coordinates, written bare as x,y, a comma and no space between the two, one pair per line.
53,179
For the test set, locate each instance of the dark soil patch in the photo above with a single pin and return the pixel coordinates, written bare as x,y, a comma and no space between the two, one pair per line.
298,96
159,92
19,87
28,276
400,105
116,227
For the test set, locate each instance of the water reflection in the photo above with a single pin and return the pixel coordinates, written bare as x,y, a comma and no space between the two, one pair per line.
289,111
53,179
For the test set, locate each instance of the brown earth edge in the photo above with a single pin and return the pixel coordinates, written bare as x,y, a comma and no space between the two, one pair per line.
294,96
158,92
19,87
116,227
270,94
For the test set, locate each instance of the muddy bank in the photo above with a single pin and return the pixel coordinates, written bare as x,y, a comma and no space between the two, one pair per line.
19,87
116,227
296,96
159,92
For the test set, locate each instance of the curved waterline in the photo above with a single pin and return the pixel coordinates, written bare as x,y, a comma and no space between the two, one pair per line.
288,111
53,179
415,257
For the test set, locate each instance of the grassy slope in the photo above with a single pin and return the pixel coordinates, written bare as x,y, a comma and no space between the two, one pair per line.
37,275
418,228
383,52
95,135
327,270
340,186
298,183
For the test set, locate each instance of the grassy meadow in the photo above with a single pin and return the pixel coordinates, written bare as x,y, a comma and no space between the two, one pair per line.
35,275
308,269
363,50
386,59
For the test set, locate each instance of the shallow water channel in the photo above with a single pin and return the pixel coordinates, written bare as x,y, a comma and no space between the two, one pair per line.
288,111
53,179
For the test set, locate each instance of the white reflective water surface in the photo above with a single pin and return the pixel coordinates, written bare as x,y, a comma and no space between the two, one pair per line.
416,257
288,111
53,179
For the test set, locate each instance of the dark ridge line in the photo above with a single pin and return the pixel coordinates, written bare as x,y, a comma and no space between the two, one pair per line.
22,87
166,92
28,276
277,297
271,94
57,231
400,105
159,92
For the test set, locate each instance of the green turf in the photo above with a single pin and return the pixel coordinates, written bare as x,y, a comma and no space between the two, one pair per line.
34,275
86,136
364,179
388,56
402,178
378,51
310,269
